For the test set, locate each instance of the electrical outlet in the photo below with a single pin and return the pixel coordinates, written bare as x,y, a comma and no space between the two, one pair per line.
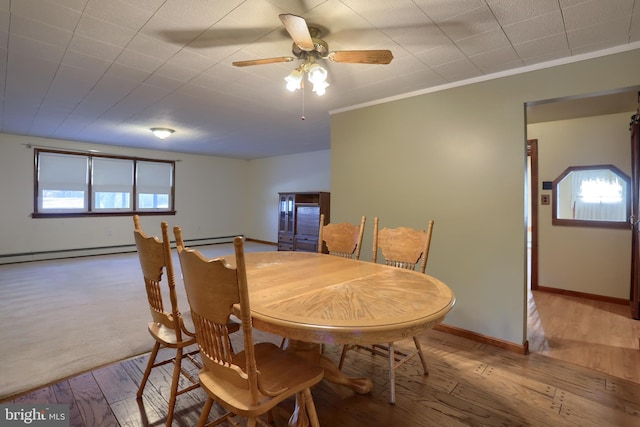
544,199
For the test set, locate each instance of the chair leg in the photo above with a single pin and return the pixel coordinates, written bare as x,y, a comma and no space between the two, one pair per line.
298,416
345,348
311,408
392,373
147,371
177,366
205,412
422,359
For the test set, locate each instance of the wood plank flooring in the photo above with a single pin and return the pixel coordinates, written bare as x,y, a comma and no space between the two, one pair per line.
594,334
583,370
470,384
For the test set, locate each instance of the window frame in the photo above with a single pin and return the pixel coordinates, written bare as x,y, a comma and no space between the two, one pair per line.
90,210
555,220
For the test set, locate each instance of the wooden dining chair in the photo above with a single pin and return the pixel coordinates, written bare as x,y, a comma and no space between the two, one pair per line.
341,239
401,247
166,327
252,382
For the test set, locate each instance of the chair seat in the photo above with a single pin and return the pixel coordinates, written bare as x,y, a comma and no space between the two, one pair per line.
187,320
272,362
167,336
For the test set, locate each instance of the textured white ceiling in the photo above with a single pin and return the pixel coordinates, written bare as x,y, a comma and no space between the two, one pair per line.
106,71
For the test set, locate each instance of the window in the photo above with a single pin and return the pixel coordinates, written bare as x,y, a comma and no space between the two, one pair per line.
62,180
595,196
72,184
112,184
154,185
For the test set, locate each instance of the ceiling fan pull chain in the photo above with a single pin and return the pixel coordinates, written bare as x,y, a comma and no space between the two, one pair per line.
302,117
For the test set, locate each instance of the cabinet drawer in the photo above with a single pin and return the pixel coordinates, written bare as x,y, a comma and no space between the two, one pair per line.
285,246
306,244
285,238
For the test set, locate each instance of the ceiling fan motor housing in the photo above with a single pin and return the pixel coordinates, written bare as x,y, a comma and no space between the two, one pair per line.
320,50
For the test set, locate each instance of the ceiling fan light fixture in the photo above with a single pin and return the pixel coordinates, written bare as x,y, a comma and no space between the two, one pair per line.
317,74
294,80
320,88
162,133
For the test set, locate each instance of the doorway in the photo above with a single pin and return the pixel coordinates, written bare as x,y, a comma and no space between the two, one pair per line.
564,326
576,131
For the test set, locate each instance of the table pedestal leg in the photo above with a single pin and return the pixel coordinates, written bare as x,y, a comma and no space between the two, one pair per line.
311,352
333,374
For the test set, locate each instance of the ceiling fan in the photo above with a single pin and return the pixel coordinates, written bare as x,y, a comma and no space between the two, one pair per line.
308,47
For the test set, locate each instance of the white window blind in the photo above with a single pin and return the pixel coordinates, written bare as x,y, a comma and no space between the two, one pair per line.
154,177
112,174
62,171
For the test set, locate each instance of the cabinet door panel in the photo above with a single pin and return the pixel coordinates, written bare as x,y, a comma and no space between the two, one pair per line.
308,220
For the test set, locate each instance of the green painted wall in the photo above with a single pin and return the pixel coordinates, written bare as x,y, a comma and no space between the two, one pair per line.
458,156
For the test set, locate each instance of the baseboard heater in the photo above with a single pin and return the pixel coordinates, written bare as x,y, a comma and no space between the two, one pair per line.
102,250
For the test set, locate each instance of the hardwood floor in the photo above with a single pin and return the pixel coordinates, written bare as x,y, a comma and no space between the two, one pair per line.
594,334
470,384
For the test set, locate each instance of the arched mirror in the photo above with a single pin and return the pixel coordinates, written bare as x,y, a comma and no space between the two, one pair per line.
592,196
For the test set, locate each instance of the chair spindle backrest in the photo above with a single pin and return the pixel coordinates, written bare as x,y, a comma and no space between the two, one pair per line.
402,247
342,239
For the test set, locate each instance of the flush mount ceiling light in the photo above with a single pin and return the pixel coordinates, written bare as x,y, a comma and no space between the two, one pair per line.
162,133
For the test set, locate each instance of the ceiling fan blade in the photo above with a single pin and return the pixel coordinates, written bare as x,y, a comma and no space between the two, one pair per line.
361,56
262,61
297,28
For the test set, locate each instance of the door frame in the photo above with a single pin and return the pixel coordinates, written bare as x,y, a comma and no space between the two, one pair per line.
634,285
532,154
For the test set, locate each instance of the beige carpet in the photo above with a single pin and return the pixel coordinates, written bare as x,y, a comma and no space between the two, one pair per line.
63,317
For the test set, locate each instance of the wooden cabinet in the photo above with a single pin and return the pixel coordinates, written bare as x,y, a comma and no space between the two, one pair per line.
286,224
299,219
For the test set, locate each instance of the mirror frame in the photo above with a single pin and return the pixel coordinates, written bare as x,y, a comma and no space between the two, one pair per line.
588,223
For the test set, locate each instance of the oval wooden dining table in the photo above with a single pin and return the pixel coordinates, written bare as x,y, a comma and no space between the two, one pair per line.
314,299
